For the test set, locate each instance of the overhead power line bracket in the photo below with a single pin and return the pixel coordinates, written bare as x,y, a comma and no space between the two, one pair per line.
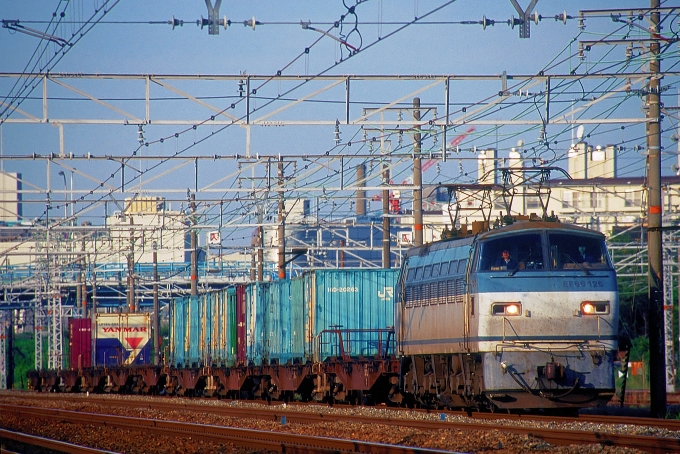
15,26
524,18
214,17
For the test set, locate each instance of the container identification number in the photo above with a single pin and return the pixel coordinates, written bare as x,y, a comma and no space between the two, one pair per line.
343,289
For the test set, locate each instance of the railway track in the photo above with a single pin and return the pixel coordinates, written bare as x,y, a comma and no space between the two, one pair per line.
252,439
280,413
275,411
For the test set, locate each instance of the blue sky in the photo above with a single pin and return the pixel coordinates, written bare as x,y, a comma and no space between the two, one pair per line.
442,46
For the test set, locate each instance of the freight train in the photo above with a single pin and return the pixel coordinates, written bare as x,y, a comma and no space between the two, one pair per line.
457,326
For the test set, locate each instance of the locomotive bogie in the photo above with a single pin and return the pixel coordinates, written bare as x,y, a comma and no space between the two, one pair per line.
451,381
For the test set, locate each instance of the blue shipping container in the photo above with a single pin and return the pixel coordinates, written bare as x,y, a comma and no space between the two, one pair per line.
351,311
257,304
285,321
309,318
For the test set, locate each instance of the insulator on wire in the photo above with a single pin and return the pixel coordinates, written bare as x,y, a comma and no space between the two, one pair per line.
337,132
176,22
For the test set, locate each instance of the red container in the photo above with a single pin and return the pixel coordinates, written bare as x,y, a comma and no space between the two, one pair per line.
80,343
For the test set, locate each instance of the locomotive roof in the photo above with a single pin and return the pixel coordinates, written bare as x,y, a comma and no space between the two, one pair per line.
538,225
437,245
518,226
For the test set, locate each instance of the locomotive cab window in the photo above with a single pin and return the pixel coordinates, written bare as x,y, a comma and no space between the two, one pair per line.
569,251
524,252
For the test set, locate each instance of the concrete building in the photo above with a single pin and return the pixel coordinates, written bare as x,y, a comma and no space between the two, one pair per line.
10,197
144,223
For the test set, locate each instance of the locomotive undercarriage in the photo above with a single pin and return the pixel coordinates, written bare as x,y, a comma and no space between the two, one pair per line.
449,381
457,381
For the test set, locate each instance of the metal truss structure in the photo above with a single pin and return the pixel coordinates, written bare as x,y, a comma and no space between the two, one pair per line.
631,262
670,275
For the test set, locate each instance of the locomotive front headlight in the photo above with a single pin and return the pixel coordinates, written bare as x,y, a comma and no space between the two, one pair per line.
508,309
512,309
595,307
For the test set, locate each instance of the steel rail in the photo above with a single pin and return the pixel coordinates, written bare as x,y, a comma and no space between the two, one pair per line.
47,443
274,411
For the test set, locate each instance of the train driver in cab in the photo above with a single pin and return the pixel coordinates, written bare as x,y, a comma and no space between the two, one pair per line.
506,260
583,256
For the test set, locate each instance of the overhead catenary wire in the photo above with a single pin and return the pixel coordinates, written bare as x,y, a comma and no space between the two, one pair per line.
207,121
12,101
149,169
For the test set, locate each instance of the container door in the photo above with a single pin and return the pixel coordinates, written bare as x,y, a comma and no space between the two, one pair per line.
241,324
297,318
80,343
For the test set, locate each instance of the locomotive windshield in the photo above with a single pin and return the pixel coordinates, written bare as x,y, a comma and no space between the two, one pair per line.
528,251
521,251
576,251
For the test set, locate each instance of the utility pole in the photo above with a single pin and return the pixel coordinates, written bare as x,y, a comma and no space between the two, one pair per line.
93,313
83,279
156,315
253,260
657,366
658,369
386,213
361,193
4,362
282,228
260,253
131,270
417,179
79,282
194,255
10,350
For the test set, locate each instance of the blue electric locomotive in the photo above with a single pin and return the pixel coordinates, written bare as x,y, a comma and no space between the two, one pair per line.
538,331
